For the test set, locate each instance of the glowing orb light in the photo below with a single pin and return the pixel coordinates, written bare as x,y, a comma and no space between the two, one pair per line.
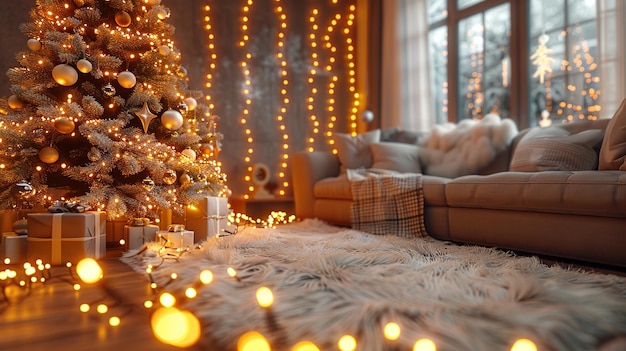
264,297
424,345
175,327
347,343
253,341
523,345
88,270
392,331
305,346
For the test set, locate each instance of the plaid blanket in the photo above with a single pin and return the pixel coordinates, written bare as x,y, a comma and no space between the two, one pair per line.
387,202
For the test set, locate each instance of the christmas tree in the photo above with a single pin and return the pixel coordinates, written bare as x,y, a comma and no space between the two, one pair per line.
100,111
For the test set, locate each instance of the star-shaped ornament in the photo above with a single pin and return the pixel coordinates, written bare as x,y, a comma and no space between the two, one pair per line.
145,116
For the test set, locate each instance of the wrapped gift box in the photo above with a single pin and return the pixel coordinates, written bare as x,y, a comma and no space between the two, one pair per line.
208,217
58,238
14,247
178,238
136,236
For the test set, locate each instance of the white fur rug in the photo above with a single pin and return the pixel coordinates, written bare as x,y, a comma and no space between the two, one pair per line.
330,281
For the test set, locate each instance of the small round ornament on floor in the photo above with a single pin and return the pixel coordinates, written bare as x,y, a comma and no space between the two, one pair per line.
20,227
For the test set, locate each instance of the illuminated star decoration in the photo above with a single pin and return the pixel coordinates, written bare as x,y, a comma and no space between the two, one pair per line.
145,116
541,59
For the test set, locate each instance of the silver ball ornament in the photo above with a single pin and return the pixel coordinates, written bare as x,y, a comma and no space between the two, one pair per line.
22,190
109,90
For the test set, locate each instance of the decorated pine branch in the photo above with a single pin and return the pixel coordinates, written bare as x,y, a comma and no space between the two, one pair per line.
100,111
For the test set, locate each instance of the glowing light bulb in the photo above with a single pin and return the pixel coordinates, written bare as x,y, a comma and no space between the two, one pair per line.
524,345
253,341
305,346
424,345
347,343
392,331
175,327
89,271
264,297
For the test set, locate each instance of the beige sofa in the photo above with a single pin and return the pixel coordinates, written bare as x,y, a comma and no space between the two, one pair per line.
573,214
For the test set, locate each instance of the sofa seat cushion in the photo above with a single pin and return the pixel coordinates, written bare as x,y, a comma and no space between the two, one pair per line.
338,188
596,193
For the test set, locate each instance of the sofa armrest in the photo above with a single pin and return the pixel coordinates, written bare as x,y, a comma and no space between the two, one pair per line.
307,168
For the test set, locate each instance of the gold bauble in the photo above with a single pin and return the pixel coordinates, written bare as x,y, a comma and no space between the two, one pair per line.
15,102
191,103
127,79
65,75
64,125
190,153
184,179
123,19
169,177
172,119
206,149
48,154
161,13
33,44
152,2
84,65
79,3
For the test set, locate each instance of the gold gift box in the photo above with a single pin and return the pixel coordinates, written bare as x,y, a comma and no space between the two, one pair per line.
58,238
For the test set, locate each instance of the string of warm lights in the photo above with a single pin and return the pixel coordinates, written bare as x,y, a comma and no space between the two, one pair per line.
284,82
312,78
334,78
351,60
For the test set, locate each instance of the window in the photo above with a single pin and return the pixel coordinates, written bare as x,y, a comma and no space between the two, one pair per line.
537,66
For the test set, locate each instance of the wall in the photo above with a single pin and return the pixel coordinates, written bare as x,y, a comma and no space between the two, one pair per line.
307,119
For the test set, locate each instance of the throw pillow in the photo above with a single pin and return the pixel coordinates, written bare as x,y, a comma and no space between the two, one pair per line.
554,149
398,157
354,151
613,149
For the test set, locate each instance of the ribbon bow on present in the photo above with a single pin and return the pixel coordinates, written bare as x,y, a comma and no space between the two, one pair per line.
176,228
62,207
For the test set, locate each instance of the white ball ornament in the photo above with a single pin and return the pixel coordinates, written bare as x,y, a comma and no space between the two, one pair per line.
15,102
127,79
164,50
191,103
84,65
190,153
48,154
65,74
33,44
172,119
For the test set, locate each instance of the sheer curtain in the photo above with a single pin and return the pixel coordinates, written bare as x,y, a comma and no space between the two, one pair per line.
612,54
405,76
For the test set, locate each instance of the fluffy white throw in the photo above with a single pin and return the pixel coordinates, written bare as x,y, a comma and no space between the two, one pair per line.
329,281
459,149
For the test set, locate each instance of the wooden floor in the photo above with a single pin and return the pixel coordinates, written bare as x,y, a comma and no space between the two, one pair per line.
49,318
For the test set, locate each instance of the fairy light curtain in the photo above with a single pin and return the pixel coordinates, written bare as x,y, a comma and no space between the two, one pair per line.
281,76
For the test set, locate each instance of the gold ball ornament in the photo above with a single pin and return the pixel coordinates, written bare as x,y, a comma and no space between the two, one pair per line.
152,2
148,183
84,65
206,149
34,44
172,119
64,125
123,19
15,102
48,154
79,3
109,90
191,103
184,179
65,75
189,153
127,79
169,177
164,50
